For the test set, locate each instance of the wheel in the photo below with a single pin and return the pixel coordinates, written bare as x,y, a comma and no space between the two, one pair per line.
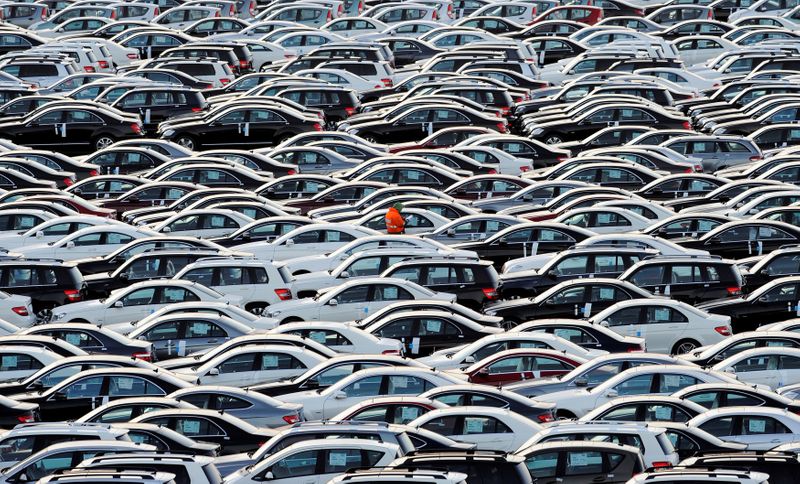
370,139
281,138
291,320
103,141
553,139
565,415
684,346
44,315
256,307
186,141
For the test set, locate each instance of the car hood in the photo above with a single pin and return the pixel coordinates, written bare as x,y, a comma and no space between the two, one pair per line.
299,397
78,306
564,395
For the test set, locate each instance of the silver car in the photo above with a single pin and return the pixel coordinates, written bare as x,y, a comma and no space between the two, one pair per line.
253,407
471,228
716,152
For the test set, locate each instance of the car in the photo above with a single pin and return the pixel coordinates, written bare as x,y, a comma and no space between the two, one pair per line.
15,413
713,395
760,428
185,467
710,355
781,467
544,460
645,408
400,476
396,410
94,340
680,474
521,364
165,439
91,241
766,367
49,283
25,440
258,409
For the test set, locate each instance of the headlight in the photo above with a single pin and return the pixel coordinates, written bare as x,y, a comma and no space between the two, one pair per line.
719,131
272,314
353,132
59,316
537,132
169,132
490,313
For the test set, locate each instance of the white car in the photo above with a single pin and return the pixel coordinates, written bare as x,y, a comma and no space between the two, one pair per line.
52,230
663,246
204,223
340,77
668,326
643,380
316,461
655,210
352,300
16,311
653,443
682,77
488,428
89,242
354,26
606,220
137,301
772,366
308,239
760,428
366,263
330,261
398,410
460,357
506,163
365,384
21,220
418,221
18,362
792,324
252,365
342,338
259,283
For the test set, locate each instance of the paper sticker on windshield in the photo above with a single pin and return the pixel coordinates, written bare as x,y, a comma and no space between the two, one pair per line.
337,459
182,348
318,336
190,426
473,425
671,381
73,339
408,414
663,413
9,362
269,361
756,426
433,325
125,383
578,459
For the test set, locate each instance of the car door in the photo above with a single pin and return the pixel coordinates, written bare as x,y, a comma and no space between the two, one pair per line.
486,432
382,295
760,432
80,127
505,370
262,124
568,302
238,370
201,335
758,369
75,399
44,130
435,334
165,338
356,392
298,468
779,303
134,306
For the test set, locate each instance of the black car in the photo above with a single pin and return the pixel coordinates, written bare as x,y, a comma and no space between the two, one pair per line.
238,127
779,263
690,225
49,283
486,467
13,413
94,340
691,279
58,346
744,238
266,229
171,76
167,440
113,260
56,161
231,433
773,302
419,122
572,264
254,161
157,104
216,175
689,441
79,129
782,467
338,103
408,50
526,239
473,283
75,396
327,373
38,171
720,395
570,299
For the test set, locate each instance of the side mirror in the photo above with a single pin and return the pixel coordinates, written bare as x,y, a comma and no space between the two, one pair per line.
269,476
289,242
70,245
718,358
344,275
483,372
134,199
581,382
451,232
503,241
549,302
213,372
333,302
39,234
729,370
714,240
59,396
166,230
36,385
763,299
312,383
340,395
764,273
604,324
124,275
118,304
552,274
469,360
612,394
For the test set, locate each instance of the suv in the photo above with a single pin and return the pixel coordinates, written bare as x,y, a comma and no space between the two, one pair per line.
691,279
782,467
594,261
592,461
188,469
480,466
40,72
152,264
27,439
678,475
48,282
258,282
474,283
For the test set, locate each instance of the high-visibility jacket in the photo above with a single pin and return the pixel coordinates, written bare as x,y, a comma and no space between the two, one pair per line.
394,221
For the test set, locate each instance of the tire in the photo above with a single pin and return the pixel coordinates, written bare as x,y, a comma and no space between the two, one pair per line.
281,138
103,141
565,415
186,141
684,346
553,139
370,139
45,314
256,308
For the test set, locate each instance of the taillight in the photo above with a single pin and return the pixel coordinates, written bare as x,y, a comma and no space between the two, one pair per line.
340,10
686,125
232,12
734,291
225,81
450,10
490,293
44,13
635,349
329,17
492,171
103,64
723,330
136,128
245,64
505,110
638,12
156,12
291,172
93,173
144,356
391,352
756,158
689,170
21,310
291,419
546,417
501,127
209,86
350,111
360,7
196,110
25,418
710,14
113,15
661,464
283,294
133,56
523,169
317,127
387,82
217,14
68,181
88,68
73,295
698,168
435,15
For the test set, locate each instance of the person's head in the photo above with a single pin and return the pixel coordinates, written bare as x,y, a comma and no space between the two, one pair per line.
398,206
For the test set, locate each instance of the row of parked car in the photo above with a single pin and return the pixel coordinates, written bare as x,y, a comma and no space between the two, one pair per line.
598,279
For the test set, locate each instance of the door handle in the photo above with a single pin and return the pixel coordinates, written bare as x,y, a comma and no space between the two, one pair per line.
212,341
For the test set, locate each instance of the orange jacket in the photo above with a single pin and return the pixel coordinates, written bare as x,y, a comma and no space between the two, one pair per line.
394,221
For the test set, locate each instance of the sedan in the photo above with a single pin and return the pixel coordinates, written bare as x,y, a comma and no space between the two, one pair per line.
260,410
771,367
760,428
521,364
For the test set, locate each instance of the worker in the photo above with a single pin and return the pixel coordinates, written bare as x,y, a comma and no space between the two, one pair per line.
395,224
